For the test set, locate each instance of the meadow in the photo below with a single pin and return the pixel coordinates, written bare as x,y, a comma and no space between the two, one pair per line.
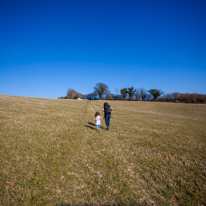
51,153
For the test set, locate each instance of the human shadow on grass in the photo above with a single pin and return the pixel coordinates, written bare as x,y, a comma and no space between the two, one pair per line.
92,126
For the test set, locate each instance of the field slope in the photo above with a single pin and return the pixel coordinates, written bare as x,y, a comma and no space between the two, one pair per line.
51,153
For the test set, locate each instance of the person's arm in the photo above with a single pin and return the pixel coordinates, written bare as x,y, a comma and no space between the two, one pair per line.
103,109
111,108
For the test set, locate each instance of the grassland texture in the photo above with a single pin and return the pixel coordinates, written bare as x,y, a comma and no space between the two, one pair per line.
51,153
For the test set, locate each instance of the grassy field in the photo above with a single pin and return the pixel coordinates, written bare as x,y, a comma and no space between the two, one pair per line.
51,153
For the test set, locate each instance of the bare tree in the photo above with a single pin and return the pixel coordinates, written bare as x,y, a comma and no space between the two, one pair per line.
101,89
71,93
176,96
143,93
110,96
137,94
91,96
77,95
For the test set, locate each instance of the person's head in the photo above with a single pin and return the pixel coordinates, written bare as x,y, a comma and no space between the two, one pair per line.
97,114
105,104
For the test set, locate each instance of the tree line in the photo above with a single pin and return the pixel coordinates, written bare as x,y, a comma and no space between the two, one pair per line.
101,91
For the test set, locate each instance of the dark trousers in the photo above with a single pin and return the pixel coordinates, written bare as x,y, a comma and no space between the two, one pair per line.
107,119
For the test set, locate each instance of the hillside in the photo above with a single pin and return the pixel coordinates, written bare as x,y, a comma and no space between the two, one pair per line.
51,153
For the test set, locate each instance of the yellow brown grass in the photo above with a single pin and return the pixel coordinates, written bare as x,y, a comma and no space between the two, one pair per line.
51,153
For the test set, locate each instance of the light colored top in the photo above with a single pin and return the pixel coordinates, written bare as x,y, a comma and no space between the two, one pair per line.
98,121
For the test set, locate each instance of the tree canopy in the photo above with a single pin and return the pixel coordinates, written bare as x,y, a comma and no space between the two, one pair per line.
124,93
101,89
131,92
155,93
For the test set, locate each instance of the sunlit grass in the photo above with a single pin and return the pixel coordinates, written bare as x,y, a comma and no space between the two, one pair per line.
51,153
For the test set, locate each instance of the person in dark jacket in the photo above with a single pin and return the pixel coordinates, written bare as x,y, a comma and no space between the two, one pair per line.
107,114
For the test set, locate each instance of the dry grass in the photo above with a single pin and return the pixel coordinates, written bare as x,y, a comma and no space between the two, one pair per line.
51,153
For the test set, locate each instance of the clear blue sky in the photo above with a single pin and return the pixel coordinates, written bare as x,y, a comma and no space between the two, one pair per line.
47,47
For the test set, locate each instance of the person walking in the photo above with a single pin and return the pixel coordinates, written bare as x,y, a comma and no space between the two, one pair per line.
107,114
97,118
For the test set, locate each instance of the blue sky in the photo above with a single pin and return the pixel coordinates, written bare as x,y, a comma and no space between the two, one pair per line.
47,47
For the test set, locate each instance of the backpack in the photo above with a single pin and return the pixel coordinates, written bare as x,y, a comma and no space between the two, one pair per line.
107,110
